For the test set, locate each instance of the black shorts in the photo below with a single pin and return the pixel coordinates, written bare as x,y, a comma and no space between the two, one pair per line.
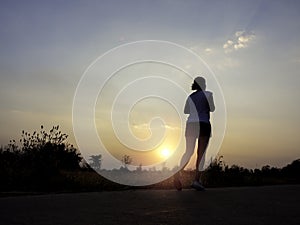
198,129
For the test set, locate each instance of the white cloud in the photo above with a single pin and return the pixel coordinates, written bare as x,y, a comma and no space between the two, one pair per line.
200,49
208,50
239,33
240,40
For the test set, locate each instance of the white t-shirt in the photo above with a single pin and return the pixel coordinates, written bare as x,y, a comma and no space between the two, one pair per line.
199,105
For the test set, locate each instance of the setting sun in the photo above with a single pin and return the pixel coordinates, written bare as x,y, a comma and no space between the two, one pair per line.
165,152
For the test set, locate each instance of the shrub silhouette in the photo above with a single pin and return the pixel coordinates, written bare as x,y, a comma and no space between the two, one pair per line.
292,171
39,157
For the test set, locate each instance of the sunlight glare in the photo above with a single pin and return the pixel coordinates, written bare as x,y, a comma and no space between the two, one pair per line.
165,153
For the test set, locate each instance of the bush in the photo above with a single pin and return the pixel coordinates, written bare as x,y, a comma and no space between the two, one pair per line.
37,159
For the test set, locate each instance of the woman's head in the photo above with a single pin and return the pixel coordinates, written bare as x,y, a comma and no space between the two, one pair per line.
199,84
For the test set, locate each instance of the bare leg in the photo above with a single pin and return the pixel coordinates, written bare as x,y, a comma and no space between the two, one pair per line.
189,150
202,145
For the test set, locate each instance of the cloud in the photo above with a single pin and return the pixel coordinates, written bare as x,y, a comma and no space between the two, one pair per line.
201,50
240,40
208,50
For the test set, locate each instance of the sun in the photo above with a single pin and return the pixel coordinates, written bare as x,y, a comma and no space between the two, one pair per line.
165,153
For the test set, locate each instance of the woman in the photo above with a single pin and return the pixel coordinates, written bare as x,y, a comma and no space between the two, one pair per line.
198,105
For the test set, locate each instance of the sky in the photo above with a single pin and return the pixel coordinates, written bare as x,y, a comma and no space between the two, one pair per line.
252,47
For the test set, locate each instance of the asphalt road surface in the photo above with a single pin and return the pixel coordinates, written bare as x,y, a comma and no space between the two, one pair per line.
245,205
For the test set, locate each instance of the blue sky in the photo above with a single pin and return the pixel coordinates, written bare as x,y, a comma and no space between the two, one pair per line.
47,45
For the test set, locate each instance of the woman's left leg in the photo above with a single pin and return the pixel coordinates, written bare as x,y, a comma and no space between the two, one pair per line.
202,145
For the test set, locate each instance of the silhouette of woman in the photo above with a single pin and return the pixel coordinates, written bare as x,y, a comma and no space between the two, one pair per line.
198,105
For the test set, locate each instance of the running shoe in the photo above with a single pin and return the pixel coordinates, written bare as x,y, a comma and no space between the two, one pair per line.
198,186
177,183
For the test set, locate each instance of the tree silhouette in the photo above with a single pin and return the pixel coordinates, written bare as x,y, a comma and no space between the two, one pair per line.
126,160
139,168
95,161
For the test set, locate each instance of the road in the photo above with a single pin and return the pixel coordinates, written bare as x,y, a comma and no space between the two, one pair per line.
242,206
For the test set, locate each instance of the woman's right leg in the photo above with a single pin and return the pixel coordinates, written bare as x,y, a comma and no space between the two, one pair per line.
191,134
189,151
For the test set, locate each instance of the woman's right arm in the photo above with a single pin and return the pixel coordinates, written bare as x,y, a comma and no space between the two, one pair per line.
211,102
187,107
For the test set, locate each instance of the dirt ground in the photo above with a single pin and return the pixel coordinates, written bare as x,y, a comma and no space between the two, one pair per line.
245,205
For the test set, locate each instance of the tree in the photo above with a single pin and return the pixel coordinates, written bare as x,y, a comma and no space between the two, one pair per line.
95,161
126,160
139,168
